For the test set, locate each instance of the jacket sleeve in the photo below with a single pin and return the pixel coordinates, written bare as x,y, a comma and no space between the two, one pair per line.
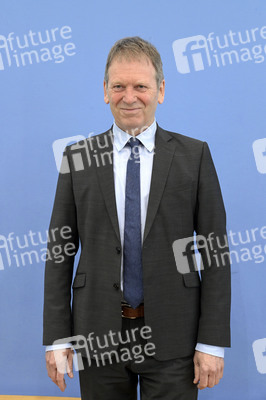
63,243
210,226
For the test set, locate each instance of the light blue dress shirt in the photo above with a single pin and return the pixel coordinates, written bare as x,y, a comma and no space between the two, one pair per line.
121,153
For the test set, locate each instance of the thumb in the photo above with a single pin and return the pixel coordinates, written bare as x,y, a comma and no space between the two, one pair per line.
196,373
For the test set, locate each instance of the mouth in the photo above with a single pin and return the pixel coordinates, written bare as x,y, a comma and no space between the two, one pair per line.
130,110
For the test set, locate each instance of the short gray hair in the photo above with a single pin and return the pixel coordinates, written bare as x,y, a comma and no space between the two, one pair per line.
133,48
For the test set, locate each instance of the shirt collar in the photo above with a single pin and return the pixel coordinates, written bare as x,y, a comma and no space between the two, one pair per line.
147,137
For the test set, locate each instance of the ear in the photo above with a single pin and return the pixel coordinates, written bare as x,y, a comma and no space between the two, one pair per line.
161,92
106,98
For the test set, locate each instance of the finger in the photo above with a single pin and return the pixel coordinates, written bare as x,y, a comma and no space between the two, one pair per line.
60,381
196,373
203,380
52,374
221,371
51,367
219,374
217,379
211,380
70,365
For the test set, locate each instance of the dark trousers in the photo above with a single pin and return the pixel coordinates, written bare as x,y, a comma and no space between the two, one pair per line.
118,379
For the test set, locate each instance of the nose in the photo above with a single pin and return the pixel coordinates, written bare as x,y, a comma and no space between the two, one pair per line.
129,95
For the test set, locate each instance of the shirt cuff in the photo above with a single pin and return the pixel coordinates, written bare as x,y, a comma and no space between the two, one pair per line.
58,347
212,350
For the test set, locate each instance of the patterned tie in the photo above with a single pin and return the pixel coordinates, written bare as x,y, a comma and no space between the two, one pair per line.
133,282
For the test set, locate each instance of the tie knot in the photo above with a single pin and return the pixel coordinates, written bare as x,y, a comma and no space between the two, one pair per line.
133,142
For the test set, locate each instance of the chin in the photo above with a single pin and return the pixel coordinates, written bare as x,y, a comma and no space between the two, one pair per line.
133,123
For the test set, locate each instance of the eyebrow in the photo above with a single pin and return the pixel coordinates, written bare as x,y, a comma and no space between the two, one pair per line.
121,83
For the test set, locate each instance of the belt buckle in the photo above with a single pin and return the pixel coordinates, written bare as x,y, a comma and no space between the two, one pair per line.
124,316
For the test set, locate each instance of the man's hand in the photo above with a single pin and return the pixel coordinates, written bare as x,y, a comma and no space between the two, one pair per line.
208,369
58,363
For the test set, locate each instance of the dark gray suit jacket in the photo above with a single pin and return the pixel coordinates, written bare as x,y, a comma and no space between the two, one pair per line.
184,197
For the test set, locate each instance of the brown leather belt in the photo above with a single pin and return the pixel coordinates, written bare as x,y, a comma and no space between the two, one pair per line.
132,313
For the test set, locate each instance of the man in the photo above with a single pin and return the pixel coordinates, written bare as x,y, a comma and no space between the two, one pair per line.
138,191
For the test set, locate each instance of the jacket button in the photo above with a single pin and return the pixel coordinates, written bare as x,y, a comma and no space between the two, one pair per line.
118,250
116,286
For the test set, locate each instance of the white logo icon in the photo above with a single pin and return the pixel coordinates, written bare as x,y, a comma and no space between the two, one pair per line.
186,253
4,245
259,350
191,54
259,150
78,342
76,150
3,45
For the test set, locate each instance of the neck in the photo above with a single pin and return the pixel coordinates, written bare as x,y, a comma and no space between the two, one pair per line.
134,131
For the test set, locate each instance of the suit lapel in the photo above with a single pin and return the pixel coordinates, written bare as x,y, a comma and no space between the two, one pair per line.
106,176
163,154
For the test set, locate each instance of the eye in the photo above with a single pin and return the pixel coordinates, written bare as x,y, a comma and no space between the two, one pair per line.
141,87
117,87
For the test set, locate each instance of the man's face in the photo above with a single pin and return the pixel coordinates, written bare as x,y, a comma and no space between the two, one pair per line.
133,94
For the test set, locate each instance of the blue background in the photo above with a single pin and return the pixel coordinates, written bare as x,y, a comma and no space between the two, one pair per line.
44,102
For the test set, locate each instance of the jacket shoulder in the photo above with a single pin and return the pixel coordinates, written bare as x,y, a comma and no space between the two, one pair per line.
183,144
93,138
181,138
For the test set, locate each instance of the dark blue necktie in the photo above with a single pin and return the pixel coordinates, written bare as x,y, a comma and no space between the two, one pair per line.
133,282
